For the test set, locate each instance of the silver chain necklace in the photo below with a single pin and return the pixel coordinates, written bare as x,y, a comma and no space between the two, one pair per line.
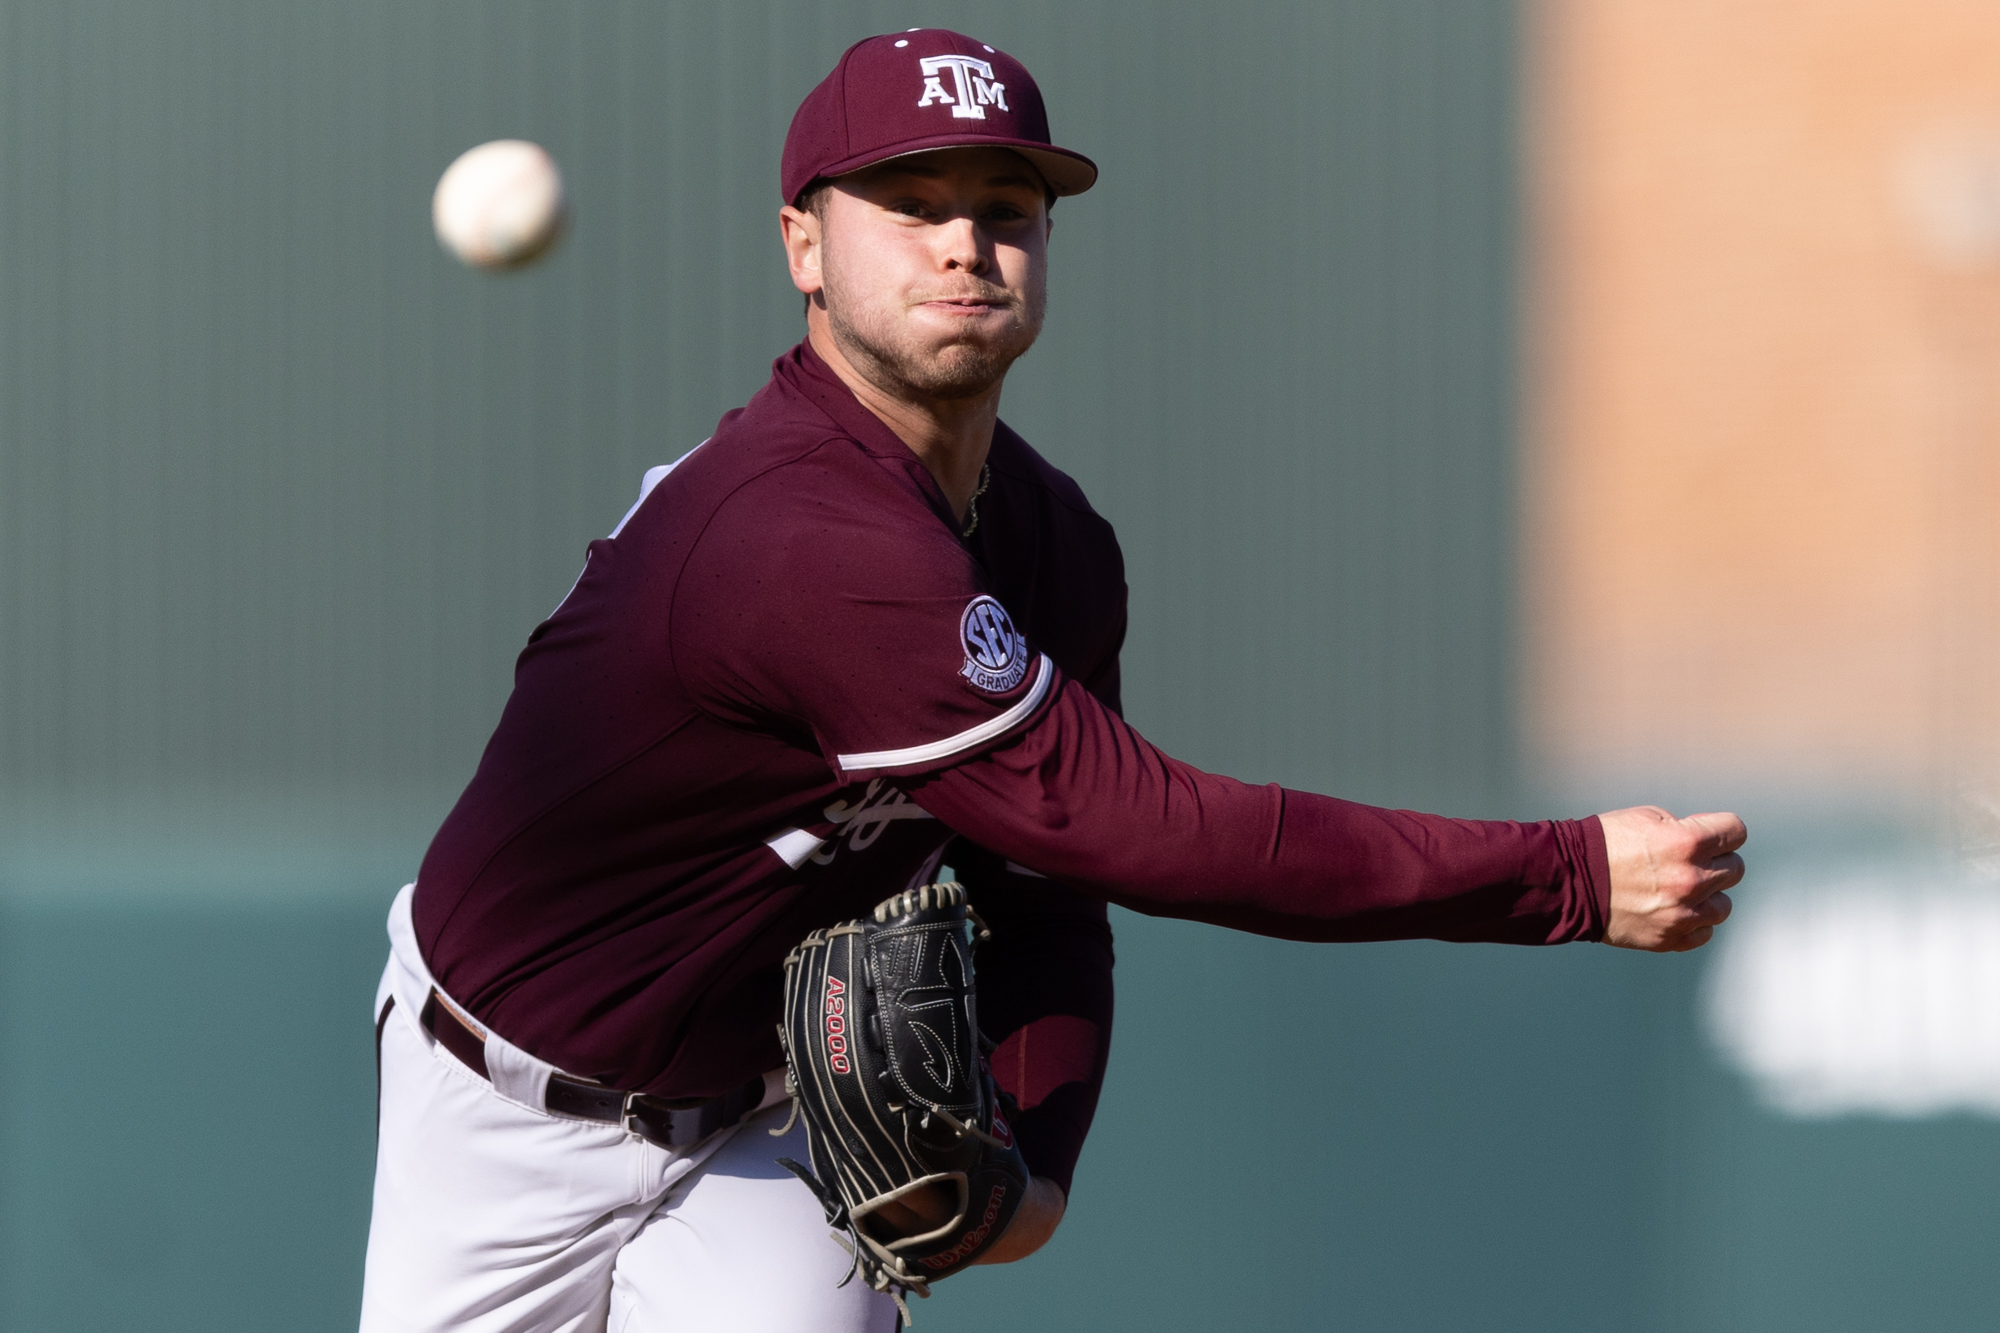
972,505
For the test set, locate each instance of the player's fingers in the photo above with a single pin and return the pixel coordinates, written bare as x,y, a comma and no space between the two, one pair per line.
1724,872
1694,939
1717,832
1716,910
1694,882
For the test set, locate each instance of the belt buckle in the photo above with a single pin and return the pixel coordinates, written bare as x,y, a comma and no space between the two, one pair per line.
662,1128
629,1121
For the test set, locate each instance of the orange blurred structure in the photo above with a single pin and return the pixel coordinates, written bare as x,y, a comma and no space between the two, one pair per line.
1762,485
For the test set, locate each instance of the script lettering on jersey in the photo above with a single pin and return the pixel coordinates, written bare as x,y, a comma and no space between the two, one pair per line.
860,823
973,1238
836,1026
977,88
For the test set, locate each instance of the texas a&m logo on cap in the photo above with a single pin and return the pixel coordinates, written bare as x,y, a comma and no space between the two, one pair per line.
976,86
920,91
996,656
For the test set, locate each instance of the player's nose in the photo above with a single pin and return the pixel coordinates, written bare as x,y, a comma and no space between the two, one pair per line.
960,249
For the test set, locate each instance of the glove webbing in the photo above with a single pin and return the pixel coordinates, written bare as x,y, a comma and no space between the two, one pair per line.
878,1274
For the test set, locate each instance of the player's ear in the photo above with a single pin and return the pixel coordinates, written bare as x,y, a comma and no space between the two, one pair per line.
802,232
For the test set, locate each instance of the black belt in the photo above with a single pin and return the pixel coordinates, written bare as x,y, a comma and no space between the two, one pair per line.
670,1122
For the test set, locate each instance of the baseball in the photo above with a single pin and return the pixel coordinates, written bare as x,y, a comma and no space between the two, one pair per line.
500,205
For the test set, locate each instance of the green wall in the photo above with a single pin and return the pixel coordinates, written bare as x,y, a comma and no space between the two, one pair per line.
282,491
284,488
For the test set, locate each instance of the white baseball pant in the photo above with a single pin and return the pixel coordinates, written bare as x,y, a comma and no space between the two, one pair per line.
494,1216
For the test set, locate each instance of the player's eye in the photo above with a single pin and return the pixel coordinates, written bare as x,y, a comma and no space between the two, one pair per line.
1006,212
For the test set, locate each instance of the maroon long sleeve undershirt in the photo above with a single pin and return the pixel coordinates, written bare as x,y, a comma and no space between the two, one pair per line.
1045,995
1085,800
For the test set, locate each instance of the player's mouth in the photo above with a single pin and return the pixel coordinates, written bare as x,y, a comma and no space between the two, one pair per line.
961,307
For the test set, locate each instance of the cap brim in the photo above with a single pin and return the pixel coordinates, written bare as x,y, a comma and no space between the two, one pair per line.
1066,172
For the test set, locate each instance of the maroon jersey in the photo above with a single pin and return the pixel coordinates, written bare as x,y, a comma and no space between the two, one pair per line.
782,687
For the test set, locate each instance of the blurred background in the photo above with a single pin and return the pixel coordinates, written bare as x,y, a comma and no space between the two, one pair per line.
1507,409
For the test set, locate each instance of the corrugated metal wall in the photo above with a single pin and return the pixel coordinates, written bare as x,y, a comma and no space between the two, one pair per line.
282,490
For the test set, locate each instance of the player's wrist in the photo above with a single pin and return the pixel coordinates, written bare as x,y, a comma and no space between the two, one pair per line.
1033,1224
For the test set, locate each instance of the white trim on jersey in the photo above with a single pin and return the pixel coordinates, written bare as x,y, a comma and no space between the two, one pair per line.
794,845
964,740
653,477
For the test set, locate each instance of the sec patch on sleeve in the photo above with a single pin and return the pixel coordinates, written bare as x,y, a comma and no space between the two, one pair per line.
996,654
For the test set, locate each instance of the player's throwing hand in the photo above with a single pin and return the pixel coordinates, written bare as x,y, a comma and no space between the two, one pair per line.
1668,876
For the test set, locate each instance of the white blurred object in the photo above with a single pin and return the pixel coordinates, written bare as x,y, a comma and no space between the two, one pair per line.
1865,998
1949,180
500,205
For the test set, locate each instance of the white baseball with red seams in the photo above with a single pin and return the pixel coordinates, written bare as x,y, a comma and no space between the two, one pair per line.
500,205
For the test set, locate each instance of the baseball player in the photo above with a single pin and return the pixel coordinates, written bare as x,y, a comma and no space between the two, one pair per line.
862,631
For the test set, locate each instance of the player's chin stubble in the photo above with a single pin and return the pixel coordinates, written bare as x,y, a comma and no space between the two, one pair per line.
956,370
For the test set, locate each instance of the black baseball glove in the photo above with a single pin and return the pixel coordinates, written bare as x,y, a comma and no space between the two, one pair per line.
912,1156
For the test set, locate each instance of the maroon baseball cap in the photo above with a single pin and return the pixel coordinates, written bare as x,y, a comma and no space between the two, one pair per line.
911,92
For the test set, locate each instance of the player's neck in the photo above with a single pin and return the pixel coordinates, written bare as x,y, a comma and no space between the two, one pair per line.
949,436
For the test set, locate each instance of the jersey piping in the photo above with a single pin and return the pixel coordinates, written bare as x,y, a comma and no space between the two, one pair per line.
964,740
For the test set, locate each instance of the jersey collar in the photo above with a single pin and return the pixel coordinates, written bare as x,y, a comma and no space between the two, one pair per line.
803,372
